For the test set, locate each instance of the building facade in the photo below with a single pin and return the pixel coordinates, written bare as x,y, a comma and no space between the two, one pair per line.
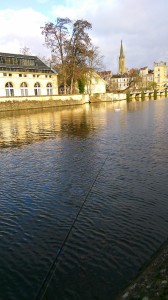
161,74
120,82
106,75
143,71
95,84
26,75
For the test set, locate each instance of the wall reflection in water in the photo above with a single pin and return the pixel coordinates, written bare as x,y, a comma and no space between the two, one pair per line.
25,127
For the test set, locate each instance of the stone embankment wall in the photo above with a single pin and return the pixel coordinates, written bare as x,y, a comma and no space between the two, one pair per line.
31,102
17,103
152,281
108,97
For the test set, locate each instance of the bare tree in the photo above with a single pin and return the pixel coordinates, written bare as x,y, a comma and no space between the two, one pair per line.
95,63
46,60
25,51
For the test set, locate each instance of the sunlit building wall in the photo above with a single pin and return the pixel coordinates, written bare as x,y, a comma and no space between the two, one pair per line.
160,74
25,75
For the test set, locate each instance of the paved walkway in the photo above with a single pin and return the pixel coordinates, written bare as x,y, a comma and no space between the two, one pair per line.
152,282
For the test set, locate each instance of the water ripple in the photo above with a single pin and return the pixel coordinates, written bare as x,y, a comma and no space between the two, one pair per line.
116,164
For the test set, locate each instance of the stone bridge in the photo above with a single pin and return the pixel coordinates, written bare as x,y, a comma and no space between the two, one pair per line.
146,94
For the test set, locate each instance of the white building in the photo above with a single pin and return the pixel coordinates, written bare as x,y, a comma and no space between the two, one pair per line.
95,84
25,75
143,71
120,82
161,74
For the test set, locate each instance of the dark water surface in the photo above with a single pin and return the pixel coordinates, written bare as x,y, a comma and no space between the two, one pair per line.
83,198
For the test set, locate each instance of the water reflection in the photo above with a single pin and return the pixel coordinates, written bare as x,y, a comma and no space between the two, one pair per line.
18,128
25,127
117,161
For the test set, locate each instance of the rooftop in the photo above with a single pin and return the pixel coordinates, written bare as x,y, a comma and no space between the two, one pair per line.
10,61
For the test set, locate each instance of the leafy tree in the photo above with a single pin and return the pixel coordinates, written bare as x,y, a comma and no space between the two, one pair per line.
71,48
56,36
78,49
135,80
81,86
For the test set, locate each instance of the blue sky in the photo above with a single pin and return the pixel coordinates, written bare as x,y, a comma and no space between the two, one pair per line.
141,24
40,5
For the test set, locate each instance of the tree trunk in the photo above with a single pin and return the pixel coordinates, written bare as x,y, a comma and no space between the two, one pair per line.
72,83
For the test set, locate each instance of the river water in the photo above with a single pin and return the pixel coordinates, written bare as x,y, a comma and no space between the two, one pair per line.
83,198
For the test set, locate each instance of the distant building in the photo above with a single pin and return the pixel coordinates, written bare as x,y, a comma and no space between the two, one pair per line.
122,65
143,71
161,74
26,75
120,82
133,71
147,78
95,84
106,75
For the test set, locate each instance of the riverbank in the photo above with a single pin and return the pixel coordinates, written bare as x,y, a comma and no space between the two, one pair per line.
152,281
40,101
24,104
48,101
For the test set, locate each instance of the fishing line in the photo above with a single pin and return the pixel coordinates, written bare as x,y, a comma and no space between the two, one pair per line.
48,277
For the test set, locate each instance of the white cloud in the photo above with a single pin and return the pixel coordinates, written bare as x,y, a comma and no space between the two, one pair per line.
140,24
21,28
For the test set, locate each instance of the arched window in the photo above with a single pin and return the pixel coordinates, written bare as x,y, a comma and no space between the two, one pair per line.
37,90
49,89
9,89
24,89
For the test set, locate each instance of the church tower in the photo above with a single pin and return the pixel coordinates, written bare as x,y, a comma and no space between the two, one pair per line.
122,67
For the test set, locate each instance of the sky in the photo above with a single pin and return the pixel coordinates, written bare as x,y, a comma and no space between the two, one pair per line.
140,24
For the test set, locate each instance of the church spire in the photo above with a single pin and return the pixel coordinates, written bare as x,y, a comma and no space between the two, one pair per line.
121,67
121,51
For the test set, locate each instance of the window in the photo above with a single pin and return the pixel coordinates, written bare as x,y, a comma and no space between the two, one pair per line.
31,62
37,90
49,89
9,89
24,89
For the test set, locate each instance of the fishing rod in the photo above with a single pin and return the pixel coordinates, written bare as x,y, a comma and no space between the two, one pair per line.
45,284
